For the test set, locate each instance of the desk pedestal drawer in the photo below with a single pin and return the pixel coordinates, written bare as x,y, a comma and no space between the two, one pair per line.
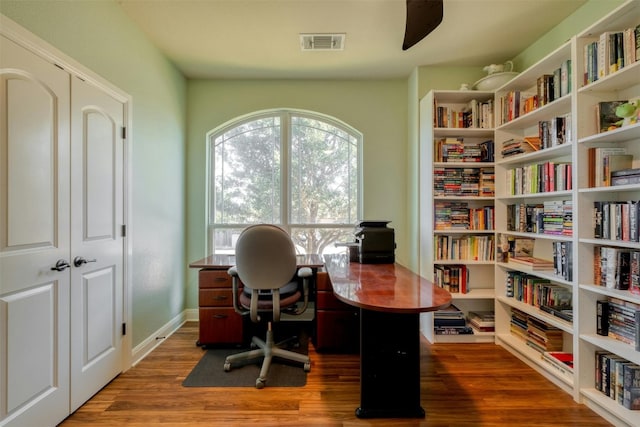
220,325
338,331
216,298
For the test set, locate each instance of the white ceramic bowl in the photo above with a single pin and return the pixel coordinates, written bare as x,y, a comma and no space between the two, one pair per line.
494,81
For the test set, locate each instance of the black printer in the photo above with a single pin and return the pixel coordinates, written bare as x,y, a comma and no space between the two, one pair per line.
375,242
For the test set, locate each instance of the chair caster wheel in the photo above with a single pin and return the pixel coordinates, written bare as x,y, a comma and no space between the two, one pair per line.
227,366
260,383
307,366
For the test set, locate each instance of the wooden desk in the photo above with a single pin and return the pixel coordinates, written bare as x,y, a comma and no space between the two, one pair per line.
219,324
390,298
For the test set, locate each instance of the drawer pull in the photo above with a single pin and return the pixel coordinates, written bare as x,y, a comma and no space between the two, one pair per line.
220,279
220,316
222,297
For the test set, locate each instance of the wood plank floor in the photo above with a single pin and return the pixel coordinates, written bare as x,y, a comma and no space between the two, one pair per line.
462,385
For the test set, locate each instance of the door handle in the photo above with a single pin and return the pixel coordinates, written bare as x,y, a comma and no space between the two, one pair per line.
78,261
61,265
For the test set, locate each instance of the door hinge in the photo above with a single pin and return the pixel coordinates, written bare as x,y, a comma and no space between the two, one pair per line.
123,230
124,329
124,132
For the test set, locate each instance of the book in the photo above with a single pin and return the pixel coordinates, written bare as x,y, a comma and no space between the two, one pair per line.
606,114
631,387
533,262
562,359
483,321
602,317
613,163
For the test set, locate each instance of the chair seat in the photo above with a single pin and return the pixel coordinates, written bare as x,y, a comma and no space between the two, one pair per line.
267,304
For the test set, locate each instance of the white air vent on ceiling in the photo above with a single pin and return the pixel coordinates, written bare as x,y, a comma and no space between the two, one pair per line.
322,41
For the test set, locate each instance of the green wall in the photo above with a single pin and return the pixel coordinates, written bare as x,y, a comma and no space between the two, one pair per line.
101,37
376,108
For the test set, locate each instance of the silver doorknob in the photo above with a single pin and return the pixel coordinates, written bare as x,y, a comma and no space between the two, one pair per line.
61,265
78,261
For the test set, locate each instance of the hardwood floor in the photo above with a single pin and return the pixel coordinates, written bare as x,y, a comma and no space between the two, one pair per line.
462,385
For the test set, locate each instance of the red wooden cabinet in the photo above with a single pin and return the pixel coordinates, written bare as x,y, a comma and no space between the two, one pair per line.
337,323
219,323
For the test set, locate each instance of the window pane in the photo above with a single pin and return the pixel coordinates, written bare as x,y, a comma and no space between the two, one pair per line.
323,174
247,173
224,240
321,240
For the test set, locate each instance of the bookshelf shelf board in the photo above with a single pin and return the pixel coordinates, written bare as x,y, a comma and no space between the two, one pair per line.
464,132
538,273
618,243
556,237
623,134
534,357
547,153
534,311
614,346
461,96
527,79
461,231
547,194
601,401
621,79
558,107
610,189
475,294
461,261
463,164
615,293
476,337
458,198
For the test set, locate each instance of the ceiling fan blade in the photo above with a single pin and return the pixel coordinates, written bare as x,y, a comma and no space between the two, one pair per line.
423,16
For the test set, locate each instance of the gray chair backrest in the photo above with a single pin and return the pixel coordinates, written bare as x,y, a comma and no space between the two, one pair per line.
265,257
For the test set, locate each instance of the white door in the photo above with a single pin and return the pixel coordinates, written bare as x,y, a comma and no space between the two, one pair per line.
34,235
61,200
96,240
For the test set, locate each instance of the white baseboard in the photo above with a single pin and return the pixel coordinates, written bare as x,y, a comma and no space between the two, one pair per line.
155,339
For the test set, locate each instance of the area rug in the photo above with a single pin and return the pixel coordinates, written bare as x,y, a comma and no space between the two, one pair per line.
209,372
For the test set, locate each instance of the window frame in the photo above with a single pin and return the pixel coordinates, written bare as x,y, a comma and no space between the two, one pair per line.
285,115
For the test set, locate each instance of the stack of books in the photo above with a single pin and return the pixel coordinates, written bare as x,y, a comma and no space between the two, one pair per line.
560,360
451,321
482,321
529,144
625,176
532,263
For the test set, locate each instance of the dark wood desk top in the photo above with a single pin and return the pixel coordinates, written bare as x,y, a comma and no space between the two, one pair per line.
221,262
383,287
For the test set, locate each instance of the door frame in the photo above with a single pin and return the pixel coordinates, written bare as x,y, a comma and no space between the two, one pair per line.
48,52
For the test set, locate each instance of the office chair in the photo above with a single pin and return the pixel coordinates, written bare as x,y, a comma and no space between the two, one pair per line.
266,266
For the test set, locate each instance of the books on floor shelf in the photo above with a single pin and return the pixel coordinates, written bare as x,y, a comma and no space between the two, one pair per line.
482,321
451,321
560,360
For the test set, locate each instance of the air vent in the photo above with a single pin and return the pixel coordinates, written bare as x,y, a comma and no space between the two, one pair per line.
322,41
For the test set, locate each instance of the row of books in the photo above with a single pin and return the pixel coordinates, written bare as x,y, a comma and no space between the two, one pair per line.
612,51
453,278
616,268
616,220
554,132
536,333
549,87
475,114
541,293
553,217
620,320
539,178
459,216
454,149
603,162
465,182
618,379
464,248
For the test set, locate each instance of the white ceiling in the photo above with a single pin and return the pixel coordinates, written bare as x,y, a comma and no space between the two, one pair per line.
246,39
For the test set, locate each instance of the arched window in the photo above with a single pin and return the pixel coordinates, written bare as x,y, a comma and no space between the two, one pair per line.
296,169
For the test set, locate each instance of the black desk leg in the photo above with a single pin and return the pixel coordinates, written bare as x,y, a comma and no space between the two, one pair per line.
389,365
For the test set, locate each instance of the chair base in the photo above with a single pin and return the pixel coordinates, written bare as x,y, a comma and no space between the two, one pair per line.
267,349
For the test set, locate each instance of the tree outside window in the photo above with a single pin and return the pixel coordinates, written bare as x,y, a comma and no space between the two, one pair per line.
295,169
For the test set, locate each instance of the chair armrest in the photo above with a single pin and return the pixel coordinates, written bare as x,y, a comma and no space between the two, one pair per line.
235,288
305,273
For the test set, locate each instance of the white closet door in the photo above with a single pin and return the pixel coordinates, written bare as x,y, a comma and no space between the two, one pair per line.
34,235
96,238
